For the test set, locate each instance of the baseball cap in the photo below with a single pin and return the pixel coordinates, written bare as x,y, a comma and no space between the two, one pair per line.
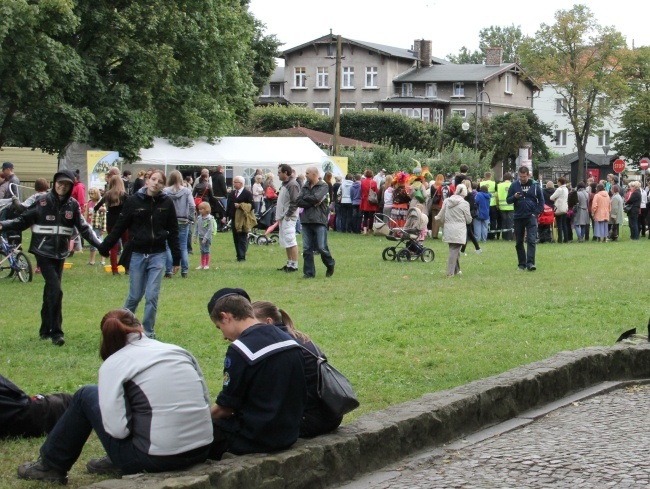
226,292
7,164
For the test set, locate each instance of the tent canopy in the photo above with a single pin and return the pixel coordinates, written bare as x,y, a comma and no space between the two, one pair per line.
240,153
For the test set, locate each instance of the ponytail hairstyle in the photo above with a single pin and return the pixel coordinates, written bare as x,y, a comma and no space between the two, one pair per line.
266,309
116,326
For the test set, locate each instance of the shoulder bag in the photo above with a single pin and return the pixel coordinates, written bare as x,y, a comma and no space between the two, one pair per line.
333,388
372,195
198,200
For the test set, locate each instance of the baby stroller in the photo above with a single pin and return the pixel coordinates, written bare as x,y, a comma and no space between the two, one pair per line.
408,247
265,221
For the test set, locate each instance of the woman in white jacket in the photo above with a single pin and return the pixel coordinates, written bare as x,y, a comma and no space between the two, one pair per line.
561,199
150,409
454,218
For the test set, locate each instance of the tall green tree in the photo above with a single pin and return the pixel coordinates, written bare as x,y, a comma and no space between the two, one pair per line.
581,60
117,74
505,134
633,140
508,38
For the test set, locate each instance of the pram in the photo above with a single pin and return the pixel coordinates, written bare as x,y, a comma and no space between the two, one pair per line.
265,221
408,247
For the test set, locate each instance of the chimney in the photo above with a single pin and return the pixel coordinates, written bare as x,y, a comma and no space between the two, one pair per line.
425,52
493,56
416,47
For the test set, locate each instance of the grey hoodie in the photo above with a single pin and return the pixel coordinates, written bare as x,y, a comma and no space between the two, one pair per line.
183,203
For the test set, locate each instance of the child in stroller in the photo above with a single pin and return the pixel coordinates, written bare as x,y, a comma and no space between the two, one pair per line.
410,238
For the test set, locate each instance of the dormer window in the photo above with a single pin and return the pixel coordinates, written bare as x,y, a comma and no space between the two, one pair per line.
431,90
459,89
407,89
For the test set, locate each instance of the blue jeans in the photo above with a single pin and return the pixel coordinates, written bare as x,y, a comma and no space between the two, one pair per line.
183,233
527,226
481,228
145,276
68,437
314,237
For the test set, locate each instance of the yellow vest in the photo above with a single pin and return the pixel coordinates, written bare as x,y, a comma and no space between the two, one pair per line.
492,189
502,194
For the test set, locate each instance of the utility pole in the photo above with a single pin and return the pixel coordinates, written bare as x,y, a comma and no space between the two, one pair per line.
337,97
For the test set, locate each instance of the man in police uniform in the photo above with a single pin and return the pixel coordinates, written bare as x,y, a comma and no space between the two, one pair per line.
505,210
261,404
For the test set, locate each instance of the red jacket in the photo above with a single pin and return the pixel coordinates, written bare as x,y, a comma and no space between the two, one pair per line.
365,189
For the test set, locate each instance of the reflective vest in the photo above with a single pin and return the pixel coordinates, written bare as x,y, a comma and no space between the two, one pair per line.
502,193
492,189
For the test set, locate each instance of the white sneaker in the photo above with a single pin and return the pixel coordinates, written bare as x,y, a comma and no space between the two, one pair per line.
479,251
207,267
200,267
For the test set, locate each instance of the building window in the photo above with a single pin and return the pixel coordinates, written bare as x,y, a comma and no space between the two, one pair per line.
603,138
371,109
560,106
426,115
603,102
560,137
431,90
348,77
323,110
322,77
508,82
300,77
438,117
347,109
459,89
266,91
460,112
371,77
407,89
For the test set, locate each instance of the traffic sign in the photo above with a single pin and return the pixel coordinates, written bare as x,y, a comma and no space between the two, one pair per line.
643,163
619,166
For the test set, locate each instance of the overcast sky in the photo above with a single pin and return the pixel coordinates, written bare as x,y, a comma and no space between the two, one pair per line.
450,24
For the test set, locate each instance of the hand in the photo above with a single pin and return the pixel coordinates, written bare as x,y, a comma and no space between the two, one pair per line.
175,269
203,241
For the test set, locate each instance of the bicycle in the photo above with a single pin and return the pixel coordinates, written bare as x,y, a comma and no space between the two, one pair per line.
13,261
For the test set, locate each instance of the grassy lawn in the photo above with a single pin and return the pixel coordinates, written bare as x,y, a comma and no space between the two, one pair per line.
397,330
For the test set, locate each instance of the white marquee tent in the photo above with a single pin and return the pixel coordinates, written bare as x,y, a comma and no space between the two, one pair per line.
242,154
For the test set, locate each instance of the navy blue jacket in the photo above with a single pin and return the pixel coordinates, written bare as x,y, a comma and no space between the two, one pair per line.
531,203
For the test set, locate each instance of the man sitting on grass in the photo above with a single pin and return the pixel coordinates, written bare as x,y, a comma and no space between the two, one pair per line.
261,404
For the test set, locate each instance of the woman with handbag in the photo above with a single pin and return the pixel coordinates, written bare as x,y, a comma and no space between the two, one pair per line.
203,189
369,202
317,418
113,201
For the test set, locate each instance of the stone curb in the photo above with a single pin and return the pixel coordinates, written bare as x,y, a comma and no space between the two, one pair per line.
378,439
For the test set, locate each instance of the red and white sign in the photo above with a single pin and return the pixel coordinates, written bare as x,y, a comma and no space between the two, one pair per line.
619,166
643,163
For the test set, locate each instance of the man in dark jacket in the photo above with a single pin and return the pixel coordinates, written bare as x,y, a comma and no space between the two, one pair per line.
238,196
313,199
53,218
527,197
220,191
150,218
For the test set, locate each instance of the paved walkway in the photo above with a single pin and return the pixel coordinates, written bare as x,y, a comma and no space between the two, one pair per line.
591,442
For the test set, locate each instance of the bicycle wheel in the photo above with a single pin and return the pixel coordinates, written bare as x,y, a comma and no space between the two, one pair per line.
389,253
24,267
5,266
427,255
404,255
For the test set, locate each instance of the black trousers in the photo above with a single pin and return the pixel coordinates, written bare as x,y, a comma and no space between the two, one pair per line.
51,312
241,243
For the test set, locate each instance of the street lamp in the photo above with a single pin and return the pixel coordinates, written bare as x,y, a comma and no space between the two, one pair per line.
480,94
